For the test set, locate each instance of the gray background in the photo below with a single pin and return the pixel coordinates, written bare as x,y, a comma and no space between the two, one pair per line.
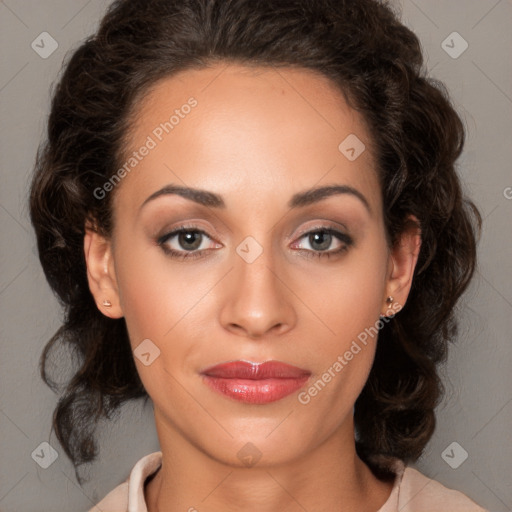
477,411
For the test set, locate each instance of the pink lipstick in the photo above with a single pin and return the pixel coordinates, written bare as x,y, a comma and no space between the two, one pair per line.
255,383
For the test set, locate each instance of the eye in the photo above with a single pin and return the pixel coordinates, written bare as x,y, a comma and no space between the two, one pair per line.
187,242
321,238
184,242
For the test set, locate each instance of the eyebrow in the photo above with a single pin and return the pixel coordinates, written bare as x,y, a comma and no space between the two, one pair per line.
298,200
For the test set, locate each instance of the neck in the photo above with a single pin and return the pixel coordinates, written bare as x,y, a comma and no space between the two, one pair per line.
329,477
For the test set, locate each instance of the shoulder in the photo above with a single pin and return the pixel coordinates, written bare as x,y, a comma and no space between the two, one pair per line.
115,501
418,493
129,495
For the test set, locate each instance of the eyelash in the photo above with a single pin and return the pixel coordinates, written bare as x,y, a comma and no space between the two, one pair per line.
187,255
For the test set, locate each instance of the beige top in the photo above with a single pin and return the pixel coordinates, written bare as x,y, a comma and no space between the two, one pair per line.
412,492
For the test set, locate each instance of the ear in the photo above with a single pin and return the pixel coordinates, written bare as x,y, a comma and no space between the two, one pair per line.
402,262
100,272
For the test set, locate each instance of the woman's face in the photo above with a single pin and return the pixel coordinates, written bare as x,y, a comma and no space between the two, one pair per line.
267,269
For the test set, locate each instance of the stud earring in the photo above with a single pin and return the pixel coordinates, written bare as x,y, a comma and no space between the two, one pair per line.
389,300
107,303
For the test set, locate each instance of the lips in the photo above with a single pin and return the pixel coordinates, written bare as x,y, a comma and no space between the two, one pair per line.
255,371
256,383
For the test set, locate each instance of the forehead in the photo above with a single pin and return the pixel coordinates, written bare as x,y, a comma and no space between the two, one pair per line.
269,129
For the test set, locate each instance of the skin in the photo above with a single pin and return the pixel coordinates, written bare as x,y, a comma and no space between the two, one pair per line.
256,137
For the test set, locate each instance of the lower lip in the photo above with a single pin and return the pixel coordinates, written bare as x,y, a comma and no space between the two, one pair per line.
261,391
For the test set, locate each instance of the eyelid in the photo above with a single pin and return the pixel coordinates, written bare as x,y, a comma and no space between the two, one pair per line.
171,233
322,224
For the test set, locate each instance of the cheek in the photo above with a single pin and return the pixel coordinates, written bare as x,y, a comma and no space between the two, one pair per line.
348,298
150,302
154,304
162,302
348,301
344,359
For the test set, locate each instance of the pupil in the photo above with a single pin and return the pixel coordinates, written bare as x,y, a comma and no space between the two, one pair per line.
187,239
315,237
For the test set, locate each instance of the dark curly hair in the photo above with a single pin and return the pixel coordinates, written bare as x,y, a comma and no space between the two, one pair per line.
417,136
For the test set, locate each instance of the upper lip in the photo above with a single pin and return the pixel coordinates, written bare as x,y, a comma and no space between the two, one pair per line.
255,371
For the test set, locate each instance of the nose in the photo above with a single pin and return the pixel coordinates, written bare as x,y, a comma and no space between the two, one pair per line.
257,300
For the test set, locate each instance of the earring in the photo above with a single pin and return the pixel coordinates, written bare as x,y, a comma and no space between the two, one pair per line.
389,300
107,303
